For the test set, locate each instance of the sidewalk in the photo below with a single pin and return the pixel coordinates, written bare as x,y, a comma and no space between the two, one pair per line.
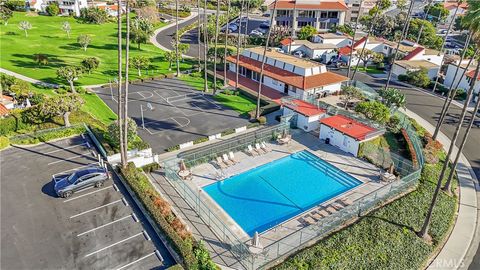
453,254
27,79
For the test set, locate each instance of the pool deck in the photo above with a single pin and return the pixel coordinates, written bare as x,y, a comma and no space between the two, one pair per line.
208,173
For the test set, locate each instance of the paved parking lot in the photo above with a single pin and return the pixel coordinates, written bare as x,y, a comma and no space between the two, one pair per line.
173,112
96,228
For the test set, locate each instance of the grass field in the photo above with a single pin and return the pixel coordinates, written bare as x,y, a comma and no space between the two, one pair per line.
46,37
240,103
371,70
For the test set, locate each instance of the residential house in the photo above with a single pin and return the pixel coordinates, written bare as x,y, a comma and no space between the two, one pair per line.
306,115
318,51
419,58
67,7
452,6
286,74
321,14
466,80
355,11
339,39
346,133
6,104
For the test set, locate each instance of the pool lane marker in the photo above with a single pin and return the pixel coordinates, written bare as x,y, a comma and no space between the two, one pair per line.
114,244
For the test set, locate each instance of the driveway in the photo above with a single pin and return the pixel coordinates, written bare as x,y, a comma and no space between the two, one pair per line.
96,228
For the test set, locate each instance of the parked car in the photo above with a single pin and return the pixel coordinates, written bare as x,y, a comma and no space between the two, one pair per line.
243,20
279,50
233,27
299,54
78,180
265,25
165,20
256,33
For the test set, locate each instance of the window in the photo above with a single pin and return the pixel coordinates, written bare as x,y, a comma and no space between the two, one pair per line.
283,23
333,14
302,24
323,14
345,141
331,25
274,82
306,13
283,13
255,76
323,25
292,89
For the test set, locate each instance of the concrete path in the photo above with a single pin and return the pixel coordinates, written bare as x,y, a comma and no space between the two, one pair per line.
454,253
27,79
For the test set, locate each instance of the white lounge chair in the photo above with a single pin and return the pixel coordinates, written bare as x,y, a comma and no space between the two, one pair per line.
251,151
265,147
226,160
220,163
346,201
259,149
232,157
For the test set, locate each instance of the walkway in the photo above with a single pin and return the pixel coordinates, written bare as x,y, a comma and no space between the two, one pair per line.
28,79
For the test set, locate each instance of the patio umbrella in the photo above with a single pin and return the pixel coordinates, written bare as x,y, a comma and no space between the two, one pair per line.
256,240
182,165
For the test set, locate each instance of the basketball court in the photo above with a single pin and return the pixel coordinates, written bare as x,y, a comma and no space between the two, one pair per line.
170,112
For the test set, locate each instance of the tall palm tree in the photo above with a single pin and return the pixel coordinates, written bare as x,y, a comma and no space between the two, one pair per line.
225,47
353,39
424,18
125,106
205,47
239,40
292,28
264,58
402,36
246,24
426,224
452,91
198,36
119,83
443,43
177,56
215,49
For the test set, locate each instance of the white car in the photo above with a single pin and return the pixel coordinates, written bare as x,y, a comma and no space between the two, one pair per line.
299,54
256,33
165,20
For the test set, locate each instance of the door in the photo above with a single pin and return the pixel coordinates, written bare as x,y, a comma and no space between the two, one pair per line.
285,88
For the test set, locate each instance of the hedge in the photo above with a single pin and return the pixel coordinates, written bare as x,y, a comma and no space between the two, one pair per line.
411,149
4,142
46,136
200,140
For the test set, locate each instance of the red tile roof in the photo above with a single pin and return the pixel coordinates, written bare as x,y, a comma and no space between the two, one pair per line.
413,53
345,50
348,126
471,73
358,42
450,5
290,4
299,81
286,41
9,98
3,110
305,108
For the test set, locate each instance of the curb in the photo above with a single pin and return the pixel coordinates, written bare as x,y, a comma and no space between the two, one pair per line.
453,253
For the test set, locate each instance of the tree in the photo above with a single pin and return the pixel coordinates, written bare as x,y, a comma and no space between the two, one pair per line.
182,49
216,45
205,48
121,116
140,62
225,47
25,26
393,98
70,74
402,4
350,93
237,67
90,64
41,59
141,31
424,33
113,134
148,13
438,12
67,28
306,32
170,57
61,105
177,38
52,9
84,41
418,77
344,28
377,58
5,14
374,110
93,15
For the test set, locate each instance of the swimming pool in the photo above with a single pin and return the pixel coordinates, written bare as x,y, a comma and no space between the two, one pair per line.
268,195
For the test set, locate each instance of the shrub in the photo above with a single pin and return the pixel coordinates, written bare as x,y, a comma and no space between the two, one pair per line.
432,149
114,132
93,15
394,124
173,148
4,142
200,140
402,77
228,132
151,167
418,77
374,110
46,136
262,120
175,267
52,9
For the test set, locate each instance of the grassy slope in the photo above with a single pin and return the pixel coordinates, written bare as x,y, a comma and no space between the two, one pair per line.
46,37
240,103
384,239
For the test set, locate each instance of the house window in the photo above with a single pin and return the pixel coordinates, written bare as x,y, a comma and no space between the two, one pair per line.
306,13
243,71
283,23
255,76
283,13
345,141
323,15
292,89
331,25
333,14
274,82
323,25
302,24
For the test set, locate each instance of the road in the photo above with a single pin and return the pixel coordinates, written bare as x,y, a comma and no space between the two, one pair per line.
428,107
417,7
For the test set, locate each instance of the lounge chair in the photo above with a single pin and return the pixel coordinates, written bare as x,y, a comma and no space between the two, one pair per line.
337,206
251,151
185,174
309,220
259,149
316,215
226,160
265,147
220,163
346,201
330,209
323,213
284,140
232,157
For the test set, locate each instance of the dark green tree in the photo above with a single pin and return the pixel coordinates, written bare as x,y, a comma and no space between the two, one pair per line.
90,64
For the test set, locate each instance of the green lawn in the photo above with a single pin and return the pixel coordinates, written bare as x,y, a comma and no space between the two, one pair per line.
371,70
240,103
96,107
47,38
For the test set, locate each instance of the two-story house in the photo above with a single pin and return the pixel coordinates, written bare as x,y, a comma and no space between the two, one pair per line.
67,7
321,14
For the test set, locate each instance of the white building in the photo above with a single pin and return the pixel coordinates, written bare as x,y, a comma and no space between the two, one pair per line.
346,133
452,6
317,51
67,7
338,39
321,14
355,11
286,74
307,115
466,80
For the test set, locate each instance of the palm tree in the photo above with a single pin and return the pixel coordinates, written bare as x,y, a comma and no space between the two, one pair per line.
452,91
125,106
402,36
292,28
246,24
237,66
215,49
119,84
199,22
443,43
205,47
177,38
226,44
353,39
264,58
424,18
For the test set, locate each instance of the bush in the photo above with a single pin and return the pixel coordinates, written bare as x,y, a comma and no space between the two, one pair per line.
93,15
200,140
151,167
228,132
17,5
4,142
262,120
402,77
374,110
394,124
46,136
175,267
52,9
418,77
173,148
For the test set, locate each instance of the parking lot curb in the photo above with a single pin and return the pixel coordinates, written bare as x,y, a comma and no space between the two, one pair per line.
152,223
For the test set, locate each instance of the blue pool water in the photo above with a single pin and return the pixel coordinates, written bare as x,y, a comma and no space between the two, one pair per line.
266,196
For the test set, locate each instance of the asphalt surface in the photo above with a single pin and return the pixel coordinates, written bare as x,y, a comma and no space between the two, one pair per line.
428,107
177,113
93,229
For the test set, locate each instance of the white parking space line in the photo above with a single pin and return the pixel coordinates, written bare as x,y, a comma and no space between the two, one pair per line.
86,194
114,244
65,148
96,208
67,159
137,260
104,225
77,168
